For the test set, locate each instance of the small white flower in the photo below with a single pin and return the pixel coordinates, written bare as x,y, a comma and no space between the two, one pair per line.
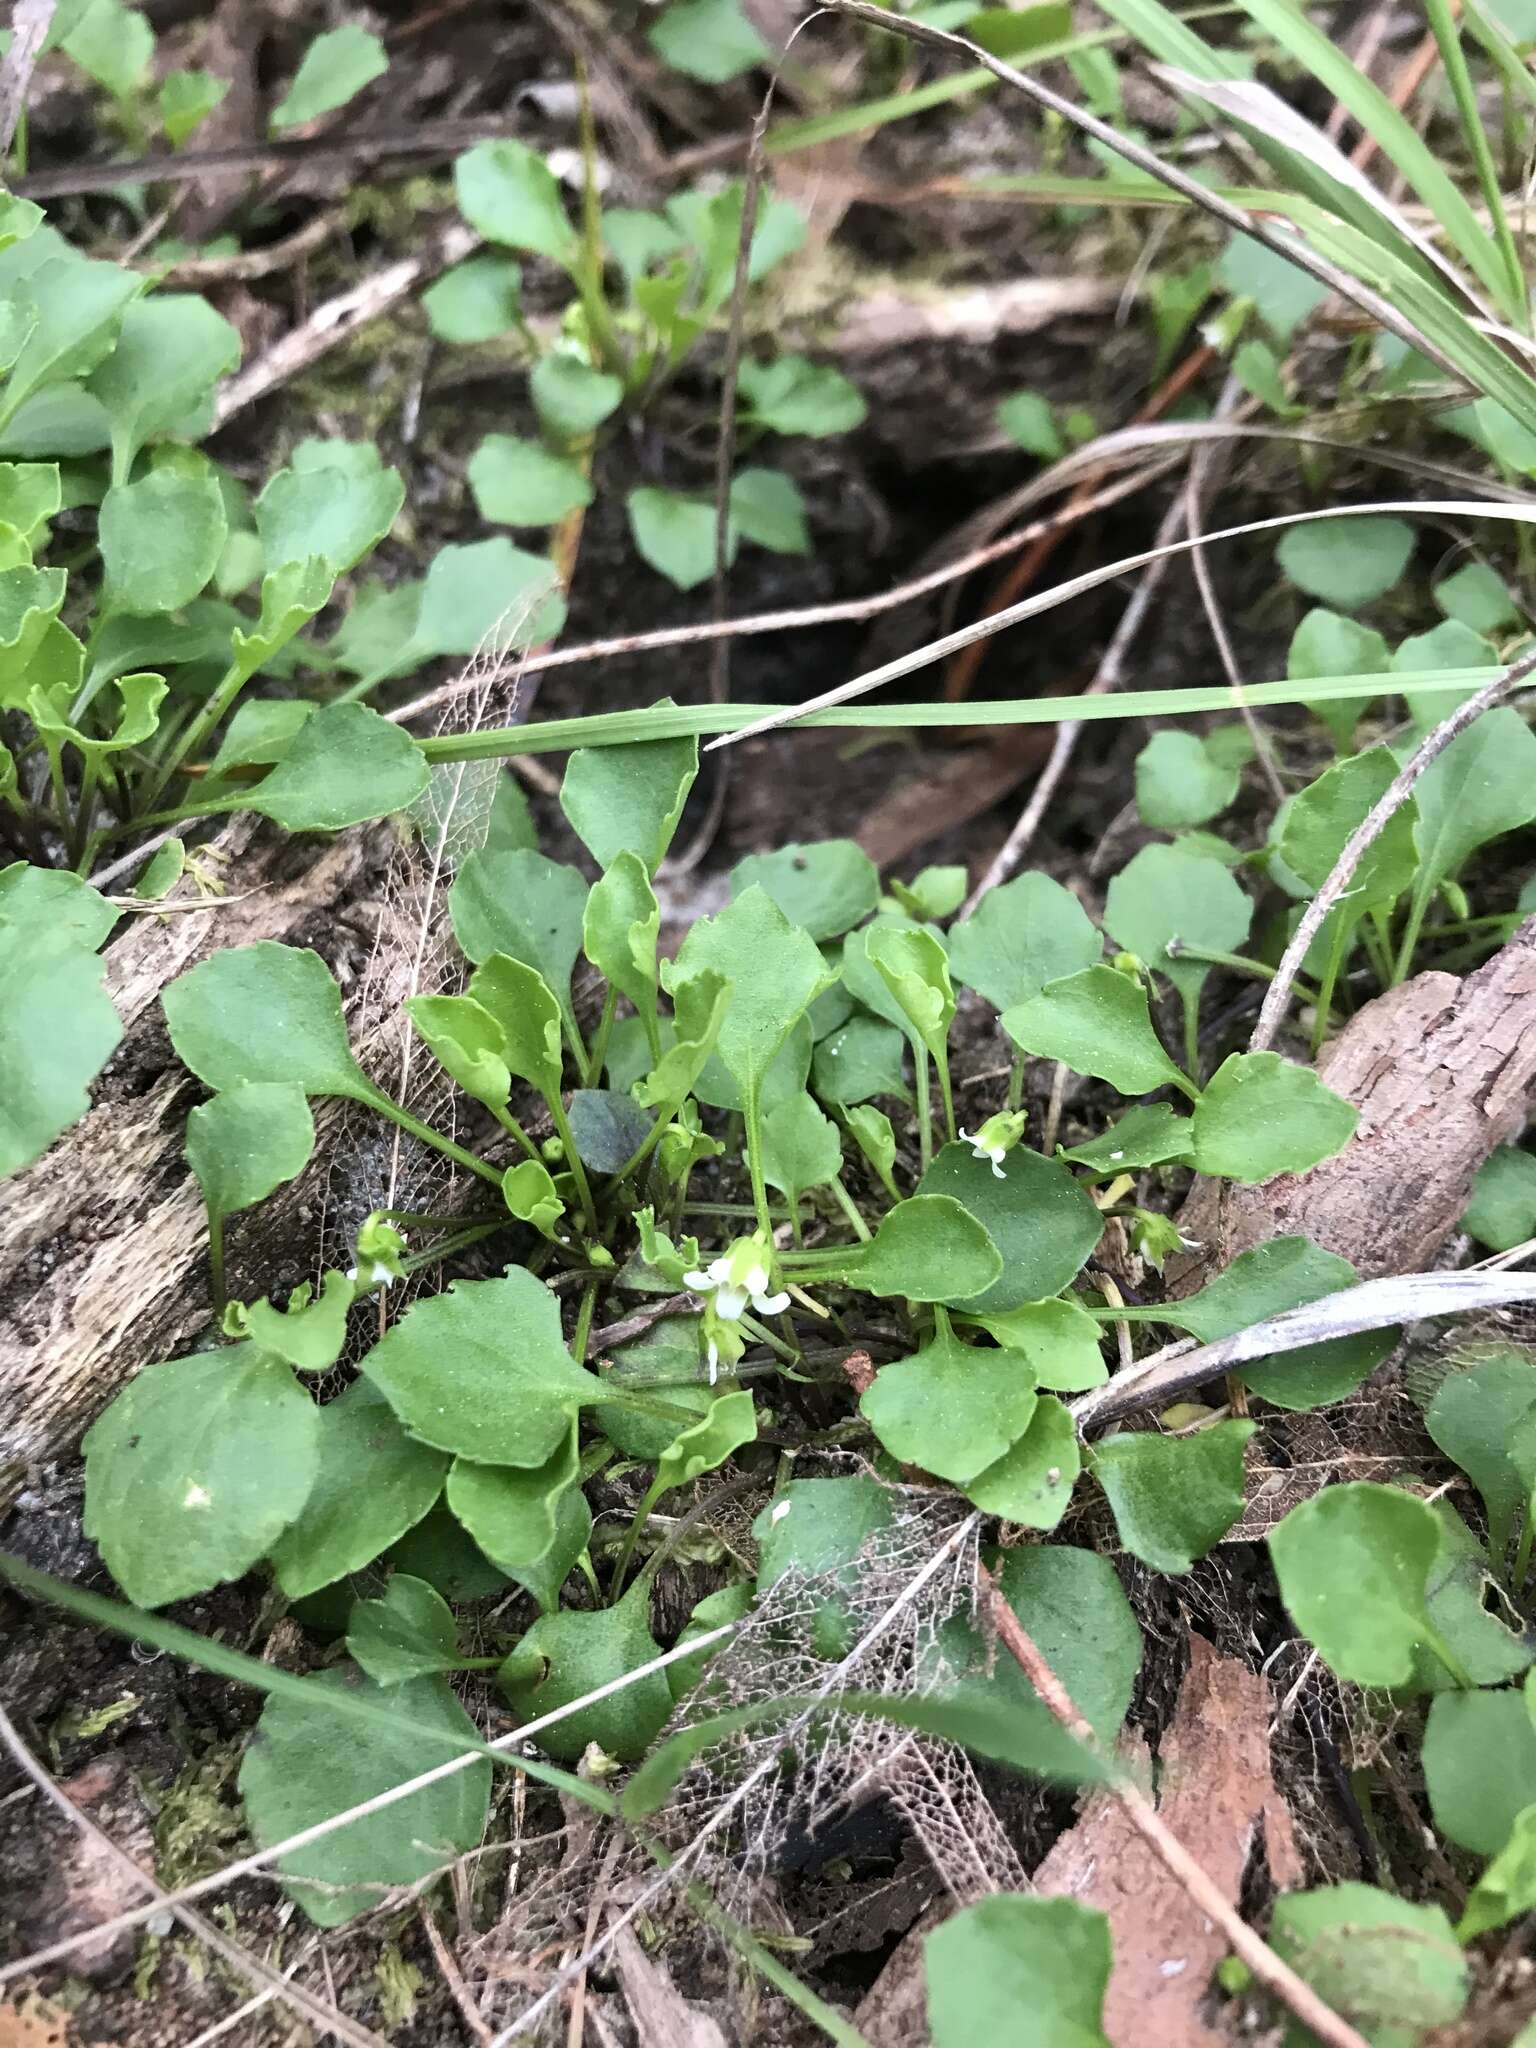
732,1289
996,1153
380,1275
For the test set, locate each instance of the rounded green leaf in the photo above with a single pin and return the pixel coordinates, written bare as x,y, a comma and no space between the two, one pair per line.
520,483
244,1144
1394,1966
676,535
405,1633
1261,1115
619,930
467,1043
825,888
1180,782
524,905
1032,1482
333,70
373,1484
1008,1955
710,40
1354,1564
767,507
475,301
775,973
526,1016
514,1515
1473,1419
510,194
1173,1497
793,395
629,799
171,351
302,1768
1059,1341
912,964
729,1422
53,901
1321,818
334,509
483,1371
264,1012
1166,894
1029,932
928,1248
1097,1022
345,766
1347,563
196,1469
863,1058
58,1028
1042,1222
801,1147
1479,1766
160,539
1328,644
1502,1211
951,1408
565,1656
571,398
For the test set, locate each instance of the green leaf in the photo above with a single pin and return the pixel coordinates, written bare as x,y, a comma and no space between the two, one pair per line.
731,1603
30,495
1032,1482
479,300
951,1408
373,1484
1354,1564
1057,1340
113,44
775,973
514,1515
307,1335
1179,781
1071,1603
1173,1497
290,597
1450,645
406,1633
520,483
1320,820
483,1371
528,1189
345,766
767,507
1261,1115
1507,1888
676,534
467,1043
338,511
172,350
1287,1272
825,888
1098,1022
1481,787
438,1550
1009,1955
1030,420
710,40
1328,644
1461,1597
699,1009
196,1469
58,1028
819,1529
1150,1135
1351,570
573,1532
801,1147
793,395
619,932
29,605
608,1128
79,307
1042,1222
665,1359
1317,1374
264,1012
244,1144
862,1059
1391,1965
525,1011
871,1131
1479,1766
54,903
629,799
510,194
571,398
1164,896
1502,1211
161,539
936,892
1472,1419
912,964
186,100
524,905
564,1656
729,1422
140,698
333,70
297,1773
1478,597
928,1248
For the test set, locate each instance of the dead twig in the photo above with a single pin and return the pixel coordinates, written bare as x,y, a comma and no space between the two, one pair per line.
1276,1976
339,319
248,264
453,1977
29,25
1278,995
269,1981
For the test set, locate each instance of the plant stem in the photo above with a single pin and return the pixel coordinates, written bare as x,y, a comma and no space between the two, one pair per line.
217,1288
583,1330
1417,910
632,1534
1337,949
573,1160
386,1106
924,1110
946,1093
850,1208
510,1124
1191,1035
754,1121
196,730
1016,1081
600,1038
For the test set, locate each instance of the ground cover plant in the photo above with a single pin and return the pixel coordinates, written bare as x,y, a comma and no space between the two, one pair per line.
720,1366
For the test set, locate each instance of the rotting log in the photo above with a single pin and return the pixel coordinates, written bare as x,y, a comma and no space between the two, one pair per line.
1442,1070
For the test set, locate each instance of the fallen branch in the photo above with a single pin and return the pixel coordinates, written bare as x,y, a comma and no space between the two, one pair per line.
1276,1976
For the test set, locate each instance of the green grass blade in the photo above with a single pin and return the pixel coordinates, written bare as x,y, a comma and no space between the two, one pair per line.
1500,51
1454,58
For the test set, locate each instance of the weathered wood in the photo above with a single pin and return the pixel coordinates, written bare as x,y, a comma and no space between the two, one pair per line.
1442,1070
103,1247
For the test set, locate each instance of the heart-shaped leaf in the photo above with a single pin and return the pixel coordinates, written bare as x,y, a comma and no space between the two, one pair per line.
57,1030
523,905
774,971
1479,1761
1043,1223
407,1632
825,888
1097,1022
1354,1564
951,1409
1173,1497
514,1515
1261,1115
1032,1482
1027,933
345,766
928,1248
1008,1955
629,799
264,1012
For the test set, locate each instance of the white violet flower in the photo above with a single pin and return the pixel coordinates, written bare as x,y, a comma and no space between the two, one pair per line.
996,1139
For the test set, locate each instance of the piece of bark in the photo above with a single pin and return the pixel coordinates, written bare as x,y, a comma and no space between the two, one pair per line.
1442,1070
893,2013
950,795
1215,1790
103,1242
663,2017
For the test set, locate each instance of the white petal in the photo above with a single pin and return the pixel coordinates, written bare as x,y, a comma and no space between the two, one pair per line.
700,1283
780,1510
720,1271
770,1304
756,1280
998,1172
965,1137
714,1361
730,1301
